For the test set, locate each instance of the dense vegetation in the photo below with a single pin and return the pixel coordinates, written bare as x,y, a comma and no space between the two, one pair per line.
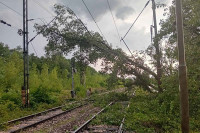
148,112
160,111
50,82
152,109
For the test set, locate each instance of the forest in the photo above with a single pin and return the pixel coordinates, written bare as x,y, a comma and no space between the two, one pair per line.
50,82
155,107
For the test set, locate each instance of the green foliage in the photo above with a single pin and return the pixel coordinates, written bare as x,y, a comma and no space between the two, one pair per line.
50,82
149,113
111,116
50,76
41,95
80,91
112,80
102,101
159,112
12,96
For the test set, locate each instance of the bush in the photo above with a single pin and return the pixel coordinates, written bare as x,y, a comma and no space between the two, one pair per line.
80,91
153,113
12,96
41,95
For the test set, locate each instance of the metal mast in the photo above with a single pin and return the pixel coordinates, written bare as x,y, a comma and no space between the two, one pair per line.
73,70
156,45
25,87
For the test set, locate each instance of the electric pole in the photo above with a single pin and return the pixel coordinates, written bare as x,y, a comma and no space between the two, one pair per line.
73,70
182,70
25,87
156,45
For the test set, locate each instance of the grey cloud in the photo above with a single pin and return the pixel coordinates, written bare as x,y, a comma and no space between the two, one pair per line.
124,12
163,1
97,7
136,39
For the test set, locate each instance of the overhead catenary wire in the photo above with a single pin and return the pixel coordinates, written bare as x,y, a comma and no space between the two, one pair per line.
34,49
114,21
110,52
40,5
42,30
88,30
136,19
32,19
55,18
11,8
127,46
20,13
122,39
1,21
94,20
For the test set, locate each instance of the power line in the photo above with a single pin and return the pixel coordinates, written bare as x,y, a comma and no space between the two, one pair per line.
114,20
110,52
127,46
11,8
32,19
1,21
34,49
102,43
122,39
21,14
40,5
90,32
94,20
136,19
42,30
87,28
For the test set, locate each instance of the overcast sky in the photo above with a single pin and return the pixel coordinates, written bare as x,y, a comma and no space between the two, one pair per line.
124,11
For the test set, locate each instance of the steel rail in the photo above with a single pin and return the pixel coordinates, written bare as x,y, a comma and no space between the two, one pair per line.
121,126
41,113
42,121
83,126
32,115
120,130
36,114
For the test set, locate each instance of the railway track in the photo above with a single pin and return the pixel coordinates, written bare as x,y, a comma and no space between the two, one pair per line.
84,125
26,122
46,118
85,128
122,123
54,120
